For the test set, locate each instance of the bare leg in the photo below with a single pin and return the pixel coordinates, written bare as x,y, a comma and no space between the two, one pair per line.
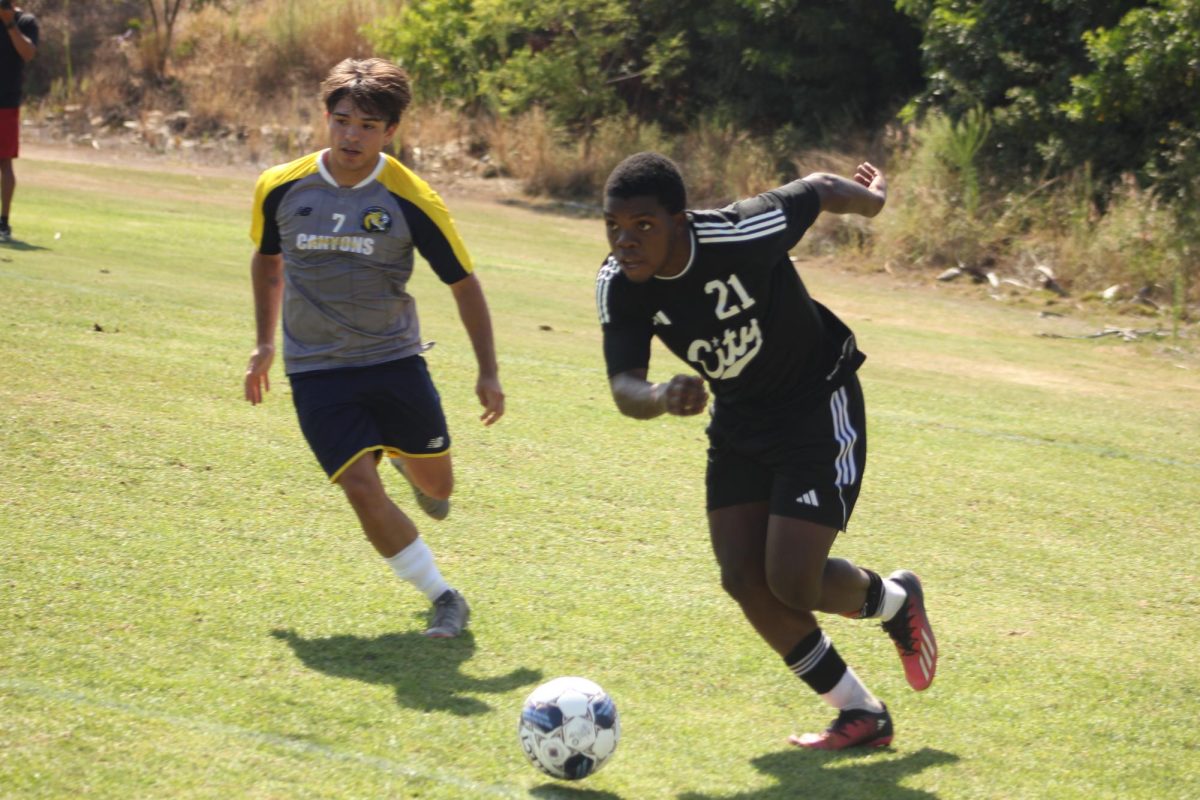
739,538
802,575
8,186
434,476
387,527
779,572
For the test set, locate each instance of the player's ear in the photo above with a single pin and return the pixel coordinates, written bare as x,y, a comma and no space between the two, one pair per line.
390,131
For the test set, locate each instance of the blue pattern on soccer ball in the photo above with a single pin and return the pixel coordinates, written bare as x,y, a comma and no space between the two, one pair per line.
604,712
578,766
543,717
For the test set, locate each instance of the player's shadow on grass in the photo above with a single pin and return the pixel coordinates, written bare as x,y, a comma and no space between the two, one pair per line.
423,671
808,773
23,247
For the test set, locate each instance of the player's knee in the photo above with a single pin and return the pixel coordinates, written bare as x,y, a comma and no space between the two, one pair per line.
360,491
741,584
440,488
793,590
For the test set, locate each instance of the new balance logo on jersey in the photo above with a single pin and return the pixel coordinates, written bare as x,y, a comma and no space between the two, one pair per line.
436,443
809,498
661,319
304,211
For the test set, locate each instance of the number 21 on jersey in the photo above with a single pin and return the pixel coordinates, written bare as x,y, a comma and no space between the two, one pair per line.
724,309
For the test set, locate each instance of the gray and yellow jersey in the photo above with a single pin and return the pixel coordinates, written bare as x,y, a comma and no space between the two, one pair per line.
348,256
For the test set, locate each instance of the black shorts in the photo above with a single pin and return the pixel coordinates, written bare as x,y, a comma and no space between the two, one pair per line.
807,465
392,408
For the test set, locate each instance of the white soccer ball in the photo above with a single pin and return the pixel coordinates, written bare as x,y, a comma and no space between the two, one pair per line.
569,728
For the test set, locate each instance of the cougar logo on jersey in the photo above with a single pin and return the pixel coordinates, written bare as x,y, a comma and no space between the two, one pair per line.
725,358
376,220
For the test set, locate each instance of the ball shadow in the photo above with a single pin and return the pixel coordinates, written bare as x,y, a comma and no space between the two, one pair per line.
564,791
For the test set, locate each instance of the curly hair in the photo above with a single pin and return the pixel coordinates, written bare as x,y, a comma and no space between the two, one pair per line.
649,174
375,86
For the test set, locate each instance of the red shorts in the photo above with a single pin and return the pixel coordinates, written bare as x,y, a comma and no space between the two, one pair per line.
10,132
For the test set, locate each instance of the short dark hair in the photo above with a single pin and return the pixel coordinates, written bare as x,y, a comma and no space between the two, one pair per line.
375,85
648,174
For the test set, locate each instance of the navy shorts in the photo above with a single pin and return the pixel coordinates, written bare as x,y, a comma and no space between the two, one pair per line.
391,408
808,464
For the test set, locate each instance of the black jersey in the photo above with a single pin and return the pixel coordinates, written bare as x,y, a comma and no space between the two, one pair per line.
12,66
739,313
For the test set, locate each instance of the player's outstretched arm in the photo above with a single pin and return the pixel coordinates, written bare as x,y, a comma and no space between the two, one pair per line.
266,277
24,46
864,195
473,311
683,395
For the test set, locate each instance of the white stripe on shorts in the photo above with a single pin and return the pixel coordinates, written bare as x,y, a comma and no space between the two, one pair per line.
847,437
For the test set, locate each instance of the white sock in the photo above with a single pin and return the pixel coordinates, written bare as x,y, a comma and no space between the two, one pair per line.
851,693
893,599
415,564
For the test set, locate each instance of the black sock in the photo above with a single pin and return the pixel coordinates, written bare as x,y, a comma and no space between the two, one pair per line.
874,596
815,661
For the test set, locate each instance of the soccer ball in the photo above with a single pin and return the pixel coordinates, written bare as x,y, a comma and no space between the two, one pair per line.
569,728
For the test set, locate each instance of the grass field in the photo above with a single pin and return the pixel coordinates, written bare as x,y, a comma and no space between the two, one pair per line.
187,609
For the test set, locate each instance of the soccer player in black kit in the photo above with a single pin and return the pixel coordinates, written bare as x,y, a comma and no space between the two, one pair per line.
787,436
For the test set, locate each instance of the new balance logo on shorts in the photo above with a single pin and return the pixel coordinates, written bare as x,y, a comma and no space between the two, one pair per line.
435,443
809,498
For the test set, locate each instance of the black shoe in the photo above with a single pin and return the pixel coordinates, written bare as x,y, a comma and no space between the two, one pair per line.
450,615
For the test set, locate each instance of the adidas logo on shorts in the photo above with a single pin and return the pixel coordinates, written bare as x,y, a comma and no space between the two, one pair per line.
809,498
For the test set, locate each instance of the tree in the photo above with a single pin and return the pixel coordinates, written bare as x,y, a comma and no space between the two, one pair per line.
1139,107
163,16
760,65
1015,60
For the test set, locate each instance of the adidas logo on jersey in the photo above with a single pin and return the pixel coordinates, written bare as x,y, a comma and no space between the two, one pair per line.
809,498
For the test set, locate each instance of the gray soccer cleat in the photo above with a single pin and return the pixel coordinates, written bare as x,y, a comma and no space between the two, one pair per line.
438,509
450,615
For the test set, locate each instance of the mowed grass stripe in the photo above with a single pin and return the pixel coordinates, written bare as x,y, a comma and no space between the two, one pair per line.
256,738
